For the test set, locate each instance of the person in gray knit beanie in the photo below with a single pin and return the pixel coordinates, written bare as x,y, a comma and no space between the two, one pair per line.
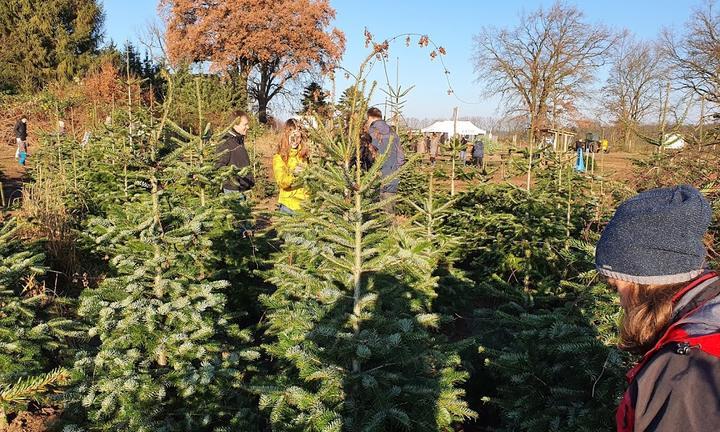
652,252
656,237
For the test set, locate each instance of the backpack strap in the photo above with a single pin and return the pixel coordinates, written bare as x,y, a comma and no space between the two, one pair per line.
704,294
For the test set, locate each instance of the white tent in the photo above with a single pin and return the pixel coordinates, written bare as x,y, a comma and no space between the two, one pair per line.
447,126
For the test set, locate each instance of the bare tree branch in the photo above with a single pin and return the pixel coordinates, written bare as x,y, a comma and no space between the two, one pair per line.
544,64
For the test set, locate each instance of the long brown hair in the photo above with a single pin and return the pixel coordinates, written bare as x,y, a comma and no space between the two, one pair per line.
284,146
647,316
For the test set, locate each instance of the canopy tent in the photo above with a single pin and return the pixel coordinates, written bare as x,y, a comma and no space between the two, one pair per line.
447,126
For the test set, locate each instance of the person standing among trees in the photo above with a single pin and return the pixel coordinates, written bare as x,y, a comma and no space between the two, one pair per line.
368,153
386,141
289,161
652,252
21,135
420,144
478,152
232,152
435,139
467,157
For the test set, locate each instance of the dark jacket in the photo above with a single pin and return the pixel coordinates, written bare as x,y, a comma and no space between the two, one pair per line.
676,386
366,157
382,138
233,152
478,149
21,130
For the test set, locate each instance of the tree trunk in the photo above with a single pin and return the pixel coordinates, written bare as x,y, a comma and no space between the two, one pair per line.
266,89
628,143
262,109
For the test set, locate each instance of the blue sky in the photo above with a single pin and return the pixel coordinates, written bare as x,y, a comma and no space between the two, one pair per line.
450,23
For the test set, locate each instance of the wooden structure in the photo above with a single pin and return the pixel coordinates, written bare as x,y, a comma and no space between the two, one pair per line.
561,138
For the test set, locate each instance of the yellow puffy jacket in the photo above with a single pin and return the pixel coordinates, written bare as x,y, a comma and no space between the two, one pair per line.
291,194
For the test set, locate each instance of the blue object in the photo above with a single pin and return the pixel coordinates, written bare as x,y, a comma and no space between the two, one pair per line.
580,164
656,237
22,157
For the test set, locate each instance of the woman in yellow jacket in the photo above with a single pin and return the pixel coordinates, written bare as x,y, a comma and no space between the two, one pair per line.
288,162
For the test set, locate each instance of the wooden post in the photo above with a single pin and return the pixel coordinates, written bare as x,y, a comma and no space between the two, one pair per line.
72,121
530,157
130,118
663,118
452,156
702,123
201,143
569,199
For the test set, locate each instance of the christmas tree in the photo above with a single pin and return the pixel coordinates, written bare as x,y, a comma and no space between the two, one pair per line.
173,353
351,320
34,332
544,325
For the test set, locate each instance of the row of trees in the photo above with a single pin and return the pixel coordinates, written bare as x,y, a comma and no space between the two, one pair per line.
545,69
47,41
259,48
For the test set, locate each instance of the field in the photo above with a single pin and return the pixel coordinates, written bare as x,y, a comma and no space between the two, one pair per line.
120,244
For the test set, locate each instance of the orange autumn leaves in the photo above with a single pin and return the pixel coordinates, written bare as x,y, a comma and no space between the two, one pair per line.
292,34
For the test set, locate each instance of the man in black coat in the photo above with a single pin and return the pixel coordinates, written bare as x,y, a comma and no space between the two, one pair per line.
233,152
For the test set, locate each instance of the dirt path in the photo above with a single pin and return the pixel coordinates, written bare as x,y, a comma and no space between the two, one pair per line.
11,174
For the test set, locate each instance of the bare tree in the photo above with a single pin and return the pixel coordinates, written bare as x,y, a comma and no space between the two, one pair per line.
152,37
548,59
630,93
546,62
695,55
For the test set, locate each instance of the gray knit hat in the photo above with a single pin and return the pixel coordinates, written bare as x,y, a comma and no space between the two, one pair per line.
656,237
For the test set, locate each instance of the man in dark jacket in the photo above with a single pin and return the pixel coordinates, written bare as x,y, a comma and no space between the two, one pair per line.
478,152
385,140
233,152
21,139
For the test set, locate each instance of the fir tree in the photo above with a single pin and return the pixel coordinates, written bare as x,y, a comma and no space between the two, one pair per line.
557,368
351,319
314,99
33,332
172,354
47,40
545,328
350,102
